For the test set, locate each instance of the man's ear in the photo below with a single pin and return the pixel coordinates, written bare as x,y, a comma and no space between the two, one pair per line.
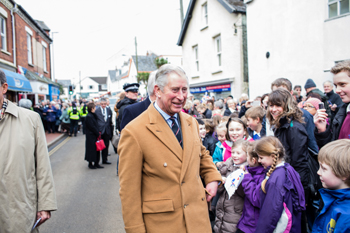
5,86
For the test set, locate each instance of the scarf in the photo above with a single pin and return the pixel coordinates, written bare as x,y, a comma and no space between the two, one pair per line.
3,109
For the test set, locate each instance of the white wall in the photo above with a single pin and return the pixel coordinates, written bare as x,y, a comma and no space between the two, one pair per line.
220,21
301,40
85,83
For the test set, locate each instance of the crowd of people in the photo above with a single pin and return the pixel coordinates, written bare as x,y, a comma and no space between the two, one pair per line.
288,146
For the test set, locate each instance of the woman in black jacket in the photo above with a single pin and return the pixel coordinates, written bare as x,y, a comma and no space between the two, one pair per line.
286,121
92,133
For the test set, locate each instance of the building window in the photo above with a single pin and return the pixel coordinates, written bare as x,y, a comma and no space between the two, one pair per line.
195,50
218,50
104,86
338,7
29,48
81,87
44,59
91,87
205,14
3,33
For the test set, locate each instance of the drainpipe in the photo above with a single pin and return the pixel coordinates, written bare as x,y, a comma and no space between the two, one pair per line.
14,10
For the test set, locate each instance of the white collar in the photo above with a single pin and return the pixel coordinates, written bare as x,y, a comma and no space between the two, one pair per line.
348,108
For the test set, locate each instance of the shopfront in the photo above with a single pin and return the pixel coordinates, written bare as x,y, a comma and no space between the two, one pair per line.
39,93
54,92
219,91
17,85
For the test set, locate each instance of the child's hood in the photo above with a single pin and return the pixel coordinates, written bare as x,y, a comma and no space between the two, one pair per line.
256,170
328,196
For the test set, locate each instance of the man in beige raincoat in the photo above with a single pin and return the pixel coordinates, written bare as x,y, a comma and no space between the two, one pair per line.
27,191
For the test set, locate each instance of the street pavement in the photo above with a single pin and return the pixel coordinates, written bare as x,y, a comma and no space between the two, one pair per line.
88,200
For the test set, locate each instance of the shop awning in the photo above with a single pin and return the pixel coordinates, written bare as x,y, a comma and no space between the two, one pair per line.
17,82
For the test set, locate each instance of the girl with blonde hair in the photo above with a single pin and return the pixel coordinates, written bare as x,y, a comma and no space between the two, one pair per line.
282,195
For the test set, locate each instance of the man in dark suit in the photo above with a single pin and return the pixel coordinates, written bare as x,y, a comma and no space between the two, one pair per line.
104,122
134,110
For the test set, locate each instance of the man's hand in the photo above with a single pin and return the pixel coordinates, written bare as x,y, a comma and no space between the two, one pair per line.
320,120
44,215
212,188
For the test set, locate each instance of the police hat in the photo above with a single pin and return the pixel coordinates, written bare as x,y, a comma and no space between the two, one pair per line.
131,86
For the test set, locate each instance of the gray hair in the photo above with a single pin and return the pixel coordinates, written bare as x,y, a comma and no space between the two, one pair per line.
151,83
219,104
103,100
164,71
328,81
2,77
230,101
25,103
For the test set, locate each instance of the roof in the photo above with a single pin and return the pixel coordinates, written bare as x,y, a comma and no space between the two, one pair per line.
119,77
146,63
100,80
232,6
43,25
34,77
64,82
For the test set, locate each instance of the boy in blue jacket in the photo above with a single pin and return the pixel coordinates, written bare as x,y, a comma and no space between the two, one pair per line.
334,173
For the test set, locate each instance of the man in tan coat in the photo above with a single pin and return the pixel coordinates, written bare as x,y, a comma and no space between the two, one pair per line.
160,168
27,191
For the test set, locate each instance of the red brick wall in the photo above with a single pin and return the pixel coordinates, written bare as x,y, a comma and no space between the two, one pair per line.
5,56
21,43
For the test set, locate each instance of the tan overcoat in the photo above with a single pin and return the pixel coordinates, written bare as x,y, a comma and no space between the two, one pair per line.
160,185
26,182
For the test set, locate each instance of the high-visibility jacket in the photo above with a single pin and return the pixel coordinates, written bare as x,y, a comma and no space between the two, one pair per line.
72,115
82,114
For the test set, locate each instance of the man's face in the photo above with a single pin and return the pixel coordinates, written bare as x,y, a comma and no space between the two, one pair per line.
173,97
298,89
342,84
3,90
327,87
103,104
132,94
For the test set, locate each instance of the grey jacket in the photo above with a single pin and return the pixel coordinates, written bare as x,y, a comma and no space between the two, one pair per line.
228,211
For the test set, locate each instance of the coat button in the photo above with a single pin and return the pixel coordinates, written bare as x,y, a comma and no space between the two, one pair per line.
202,198
165,164
185,205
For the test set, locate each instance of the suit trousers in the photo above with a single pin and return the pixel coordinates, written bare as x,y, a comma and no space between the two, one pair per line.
83,123
105,137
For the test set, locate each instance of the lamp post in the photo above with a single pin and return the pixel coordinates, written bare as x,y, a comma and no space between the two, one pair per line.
53,63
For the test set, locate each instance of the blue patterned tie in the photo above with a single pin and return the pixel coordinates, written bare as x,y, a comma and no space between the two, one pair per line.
176,130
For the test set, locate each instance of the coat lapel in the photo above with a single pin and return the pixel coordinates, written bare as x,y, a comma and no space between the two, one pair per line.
188,141
162,131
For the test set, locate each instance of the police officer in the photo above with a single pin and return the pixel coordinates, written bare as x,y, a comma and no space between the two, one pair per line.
131,92
74,116
83,114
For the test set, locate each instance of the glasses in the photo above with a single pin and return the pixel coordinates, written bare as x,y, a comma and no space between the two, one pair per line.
308,106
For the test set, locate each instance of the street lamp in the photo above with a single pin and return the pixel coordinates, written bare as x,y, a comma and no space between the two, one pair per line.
53,63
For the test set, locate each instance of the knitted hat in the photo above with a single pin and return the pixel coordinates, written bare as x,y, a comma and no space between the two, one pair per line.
314,102
309,83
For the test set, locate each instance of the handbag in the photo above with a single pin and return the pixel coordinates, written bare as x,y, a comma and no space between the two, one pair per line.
100,144
115,140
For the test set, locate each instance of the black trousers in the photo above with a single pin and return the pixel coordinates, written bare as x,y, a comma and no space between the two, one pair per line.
73,126
51,126
105,137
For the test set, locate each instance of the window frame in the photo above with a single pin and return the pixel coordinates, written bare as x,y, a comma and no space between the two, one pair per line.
29,49
218,50
195,50
205,14
3,35
44,59
338,2
91,87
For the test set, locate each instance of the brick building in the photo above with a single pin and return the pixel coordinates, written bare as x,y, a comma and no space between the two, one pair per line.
25,54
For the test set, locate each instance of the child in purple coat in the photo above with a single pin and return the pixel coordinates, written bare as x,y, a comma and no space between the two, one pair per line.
282,195
254,175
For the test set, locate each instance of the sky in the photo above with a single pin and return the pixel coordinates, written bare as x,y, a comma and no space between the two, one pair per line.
92,36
